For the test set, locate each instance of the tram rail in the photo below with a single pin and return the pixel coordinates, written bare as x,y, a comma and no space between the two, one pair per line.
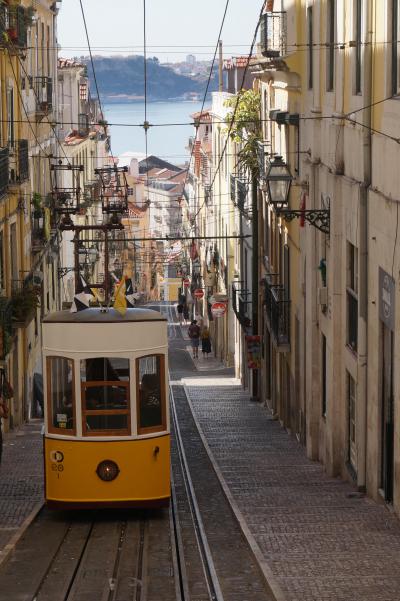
213,585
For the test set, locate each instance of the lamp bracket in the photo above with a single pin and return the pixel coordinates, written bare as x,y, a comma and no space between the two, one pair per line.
319,218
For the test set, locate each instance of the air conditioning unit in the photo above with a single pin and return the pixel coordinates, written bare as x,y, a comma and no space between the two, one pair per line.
323,296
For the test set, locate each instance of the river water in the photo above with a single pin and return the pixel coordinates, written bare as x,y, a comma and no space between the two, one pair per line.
167,142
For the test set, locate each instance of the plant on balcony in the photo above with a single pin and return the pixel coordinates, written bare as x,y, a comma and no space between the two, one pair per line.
37,204
24,303
246,127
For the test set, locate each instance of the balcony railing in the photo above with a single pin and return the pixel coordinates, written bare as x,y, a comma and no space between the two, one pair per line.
43,87
277,306
4,170
5,327
19,161
239,191
38,239
273,34
241,304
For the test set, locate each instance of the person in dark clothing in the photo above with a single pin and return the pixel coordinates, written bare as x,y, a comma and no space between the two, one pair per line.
3,415
179,309
205,341
194,335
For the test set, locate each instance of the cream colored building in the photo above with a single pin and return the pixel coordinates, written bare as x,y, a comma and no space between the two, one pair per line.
329,75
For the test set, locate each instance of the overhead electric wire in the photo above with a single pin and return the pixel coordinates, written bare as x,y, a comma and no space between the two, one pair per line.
93,68
232,119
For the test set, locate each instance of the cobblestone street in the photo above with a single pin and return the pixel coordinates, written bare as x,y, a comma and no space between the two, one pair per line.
21,479
320,538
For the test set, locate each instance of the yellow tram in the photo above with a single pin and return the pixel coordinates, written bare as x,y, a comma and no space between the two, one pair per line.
107,436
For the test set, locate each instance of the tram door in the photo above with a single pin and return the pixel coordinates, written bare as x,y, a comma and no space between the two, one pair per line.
387,415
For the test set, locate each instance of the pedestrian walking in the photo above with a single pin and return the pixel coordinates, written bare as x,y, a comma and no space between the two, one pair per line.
205,341
179,309
194,335
4,412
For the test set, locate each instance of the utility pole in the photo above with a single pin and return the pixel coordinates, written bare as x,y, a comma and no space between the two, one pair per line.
254,276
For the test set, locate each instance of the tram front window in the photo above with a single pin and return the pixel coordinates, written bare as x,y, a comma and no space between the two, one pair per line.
60,394
150,393
105,396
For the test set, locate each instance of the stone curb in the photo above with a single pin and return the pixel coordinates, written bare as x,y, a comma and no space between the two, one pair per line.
10,546
271,581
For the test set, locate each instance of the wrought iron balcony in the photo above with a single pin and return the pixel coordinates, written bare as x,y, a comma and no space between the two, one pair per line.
4,171
5,327
273,34
241,304
277,308
239,191
19,161
43,87
25,299
38,235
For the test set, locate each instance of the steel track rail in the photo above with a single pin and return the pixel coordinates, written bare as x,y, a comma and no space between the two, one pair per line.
211,577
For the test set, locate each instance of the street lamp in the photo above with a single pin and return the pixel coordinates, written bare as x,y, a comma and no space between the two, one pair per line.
279,180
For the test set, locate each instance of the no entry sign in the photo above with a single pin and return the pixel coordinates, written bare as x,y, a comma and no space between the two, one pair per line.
199,293
218,309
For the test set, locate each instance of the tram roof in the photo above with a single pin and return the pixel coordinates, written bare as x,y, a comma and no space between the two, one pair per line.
97,315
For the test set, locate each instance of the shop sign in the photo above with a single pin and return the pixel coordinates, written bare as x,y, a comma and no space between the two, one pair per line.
218,309
253,352
386,298
199,293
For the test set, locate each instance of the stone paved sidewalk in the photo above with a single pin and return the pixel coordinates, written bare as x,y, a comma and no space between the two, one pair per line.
21,478
321,539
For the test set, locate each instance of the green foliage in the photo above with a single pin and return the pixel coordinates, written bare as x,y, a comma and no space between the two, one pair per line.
37,201
24,303
246,128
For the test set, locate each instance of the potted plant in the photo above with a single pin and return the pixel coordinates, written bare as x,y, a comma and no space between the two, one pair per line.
24,303
37,204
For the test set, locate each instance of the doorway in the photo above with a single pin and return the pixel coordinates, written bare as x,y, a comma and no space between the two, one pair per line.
387,414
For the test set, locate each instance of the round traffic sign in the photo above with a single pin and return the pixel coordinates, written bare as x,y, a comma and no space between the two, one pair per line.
199,293
218,309
186,281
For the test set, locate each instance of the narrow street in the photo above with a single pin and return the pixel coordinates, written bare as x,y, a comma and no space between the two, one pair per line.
276,526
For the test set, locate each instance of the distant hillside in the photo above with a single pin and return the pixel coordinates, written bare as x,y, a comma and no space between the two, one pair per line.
121,78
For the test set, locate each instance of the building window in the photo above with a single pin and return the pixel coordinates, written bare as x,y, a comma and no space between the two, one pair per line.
351,403
324,377
330,53
352,296
10,116
310,47
357,50
395,47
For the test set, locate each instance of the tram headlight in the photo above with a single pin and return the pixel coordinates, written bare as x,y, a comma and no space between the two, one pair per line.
107,470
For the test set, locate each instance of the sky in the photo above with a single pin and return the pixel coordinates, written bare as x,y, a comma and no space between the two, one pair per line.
116,27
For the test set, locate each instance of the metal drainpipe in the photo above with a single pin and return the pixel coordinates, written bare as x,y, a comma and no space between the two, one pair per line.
362,418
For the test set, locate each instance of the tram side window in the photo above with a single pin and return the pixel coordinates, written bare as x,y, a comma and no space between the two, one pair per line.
105,396
61,401
151,393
